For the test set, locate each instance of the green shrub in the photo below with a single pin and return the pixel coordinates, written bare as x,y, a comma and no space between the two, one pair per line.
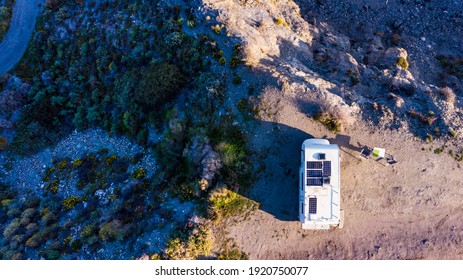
155,257
77,162
62,165
429,138
198,242
53,186
402,62
230,153
88,231
233,254
70,202
237,49
280,21
67,241
222,60
6,195
11,229
6,202
48,173
217,28
159,84
76,245
52,255
237,80
31,228
32,202
329,121
111,231
32,242
48,217
242,104
191,23
140,173
111,159
234,62
226,203
28,213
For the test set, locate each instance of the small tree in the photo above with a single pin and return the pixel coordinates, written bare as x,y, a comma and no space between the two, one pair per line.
159,84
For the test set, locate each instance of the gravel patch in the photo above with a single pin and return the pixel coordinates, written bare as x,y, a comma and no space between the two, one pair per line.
26,173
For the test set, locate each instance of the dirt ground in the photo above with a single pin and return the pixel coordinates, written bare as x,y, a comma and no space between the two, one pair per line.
410,210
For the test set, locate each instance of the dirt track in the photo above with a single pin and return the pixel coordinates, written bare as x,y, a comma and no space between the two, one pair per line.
16,40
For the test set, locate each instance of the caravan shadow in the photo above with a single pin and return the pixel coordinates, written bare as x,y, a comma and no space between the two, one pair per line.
277,188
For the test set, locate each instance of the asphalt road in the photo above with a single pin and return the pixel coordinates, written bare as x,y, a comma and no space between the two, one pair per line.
16,40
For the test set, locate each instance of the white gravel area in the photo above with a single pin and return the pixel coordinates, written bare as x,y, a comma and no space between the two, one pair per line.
27,173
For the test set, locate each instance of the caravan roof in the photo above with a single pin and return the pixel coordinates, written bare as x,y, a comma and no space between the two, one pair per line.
319,190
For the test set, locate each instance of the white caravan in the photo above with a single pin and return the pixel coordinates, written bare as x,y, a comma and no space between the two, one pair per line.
320,185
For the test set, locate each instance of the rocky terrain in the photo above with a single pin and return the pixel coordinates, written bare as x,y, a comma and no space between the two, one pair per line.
215,98
342,58
355,66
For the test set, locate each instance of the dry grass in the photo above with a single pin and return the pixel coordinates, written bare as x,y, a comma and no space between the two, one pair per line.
448,95
333,117
268,105
424,119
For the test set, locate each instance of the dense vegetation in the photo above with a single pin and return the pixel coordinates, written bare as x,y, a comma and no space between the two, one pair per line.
91,68
130,68
107,204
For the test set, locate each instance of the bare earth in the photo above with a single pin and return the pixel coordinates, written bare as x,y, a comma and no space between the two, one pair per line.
16,40
410,210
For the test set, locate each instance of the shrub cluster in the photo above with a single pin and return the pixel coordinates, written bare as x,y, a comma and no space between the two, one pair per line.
122,86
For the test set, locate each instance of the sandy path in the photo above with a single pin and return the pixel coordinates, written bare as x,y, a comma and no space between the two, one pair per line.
410,210
16,40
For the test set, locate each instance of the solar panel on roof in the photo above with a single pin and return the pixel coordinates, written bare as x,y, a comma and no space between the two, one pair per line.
314,181
314,173
314,165
327,168
312,205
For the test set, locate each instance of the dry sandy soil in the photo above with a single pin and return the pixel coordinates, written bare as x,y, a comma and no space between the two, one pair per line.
410,210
